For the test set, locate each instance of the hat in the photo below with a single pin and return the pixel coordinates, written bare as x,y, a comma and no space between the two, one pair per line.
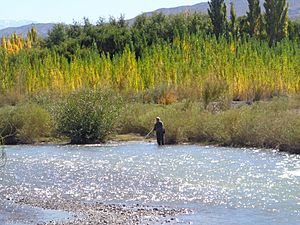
157,118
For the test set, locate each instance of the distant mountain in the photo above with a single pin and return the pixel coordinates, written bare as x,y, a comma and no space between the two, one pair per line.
241,7
14,23
42,29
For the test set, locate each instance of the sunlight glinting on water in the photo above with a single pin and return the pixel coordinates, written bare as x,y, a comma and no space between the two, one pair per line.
139,172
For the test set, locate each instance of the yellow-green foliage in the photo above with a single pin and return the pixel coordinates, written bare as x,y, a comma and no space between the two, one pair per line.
194,67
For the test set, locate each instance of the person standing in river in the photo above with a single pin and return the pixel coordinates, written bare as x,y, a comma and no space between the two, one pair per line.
160,131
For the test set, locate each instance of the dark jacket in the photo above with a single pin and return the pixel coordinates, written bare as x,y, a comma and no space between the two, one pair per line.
159,127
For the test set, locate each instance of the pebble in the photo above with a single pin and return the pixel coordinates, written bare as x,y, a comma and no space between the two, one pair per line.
101,213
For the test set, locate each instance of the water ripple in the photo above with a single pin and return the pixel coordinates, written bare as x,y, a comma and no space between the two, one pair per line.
139,172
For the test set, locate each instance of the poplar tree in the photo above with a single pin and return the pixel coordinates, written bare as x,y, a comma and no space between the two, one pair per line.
254,17
3,42
9,46
233,20
217,14
34,34
276,20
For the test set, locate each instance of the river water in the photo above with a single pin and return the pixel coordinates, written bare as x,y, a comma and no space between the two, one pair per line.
220,185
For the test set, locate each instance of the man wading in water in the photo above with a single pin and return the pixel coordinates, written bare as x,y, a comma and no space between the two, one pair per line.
160,131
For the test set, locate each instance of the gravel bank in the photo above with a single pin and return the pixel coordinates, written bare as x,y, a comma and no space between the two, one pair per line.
100,213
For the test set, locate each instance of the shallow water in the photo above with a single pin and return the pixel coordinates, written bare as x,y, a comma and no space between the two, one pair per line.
220,185
16,214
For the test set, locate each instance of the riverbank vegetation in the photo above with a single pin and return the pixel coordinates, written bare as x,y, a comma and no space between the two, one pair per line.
186,68
88,116
264,124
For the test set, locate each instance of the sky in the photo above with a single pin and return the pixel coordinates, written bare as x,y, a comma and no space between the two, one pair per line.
68,10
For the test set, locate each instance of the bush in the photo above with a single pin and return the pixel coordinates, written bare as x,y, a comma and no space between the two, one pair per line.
32,122
24,124
88,116
7,128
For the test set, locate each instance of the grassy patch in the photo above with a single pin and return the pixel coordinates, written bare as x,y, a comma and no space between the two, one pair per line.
272,124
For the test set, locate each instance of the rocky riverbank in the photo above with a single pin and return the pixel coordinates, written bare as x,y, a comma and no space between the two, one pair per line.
100,213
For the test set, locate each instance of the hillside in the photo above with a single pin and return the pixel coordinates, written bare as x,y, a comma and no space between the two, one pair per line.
42,29
241,7
14,23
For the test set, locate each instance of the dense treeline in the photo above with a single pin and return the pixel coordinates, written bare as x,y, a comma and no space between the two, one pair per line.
113,36
272,26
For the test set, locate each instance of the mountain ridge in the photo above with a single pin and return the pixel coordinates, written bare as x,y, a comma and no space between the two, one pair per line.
241,7
14,23
42,29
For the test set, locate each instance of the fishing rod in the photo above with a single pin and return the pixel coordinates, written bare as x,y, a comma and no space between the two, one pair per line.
148,133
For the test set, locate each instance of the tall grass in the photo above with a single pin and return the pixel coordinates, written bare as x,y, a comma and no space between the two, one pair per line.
274,124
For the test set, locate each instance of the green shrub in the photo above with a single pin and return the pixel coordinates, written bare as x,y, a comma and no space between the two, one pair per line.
32,122
24,124
88,116
7,127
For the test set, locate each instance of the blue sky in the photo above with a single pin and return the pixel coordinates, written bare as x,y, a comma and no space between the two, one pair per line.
67,10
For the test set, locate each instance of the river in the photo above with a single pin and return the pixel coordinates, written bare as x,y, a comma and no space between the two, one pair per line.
219,185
